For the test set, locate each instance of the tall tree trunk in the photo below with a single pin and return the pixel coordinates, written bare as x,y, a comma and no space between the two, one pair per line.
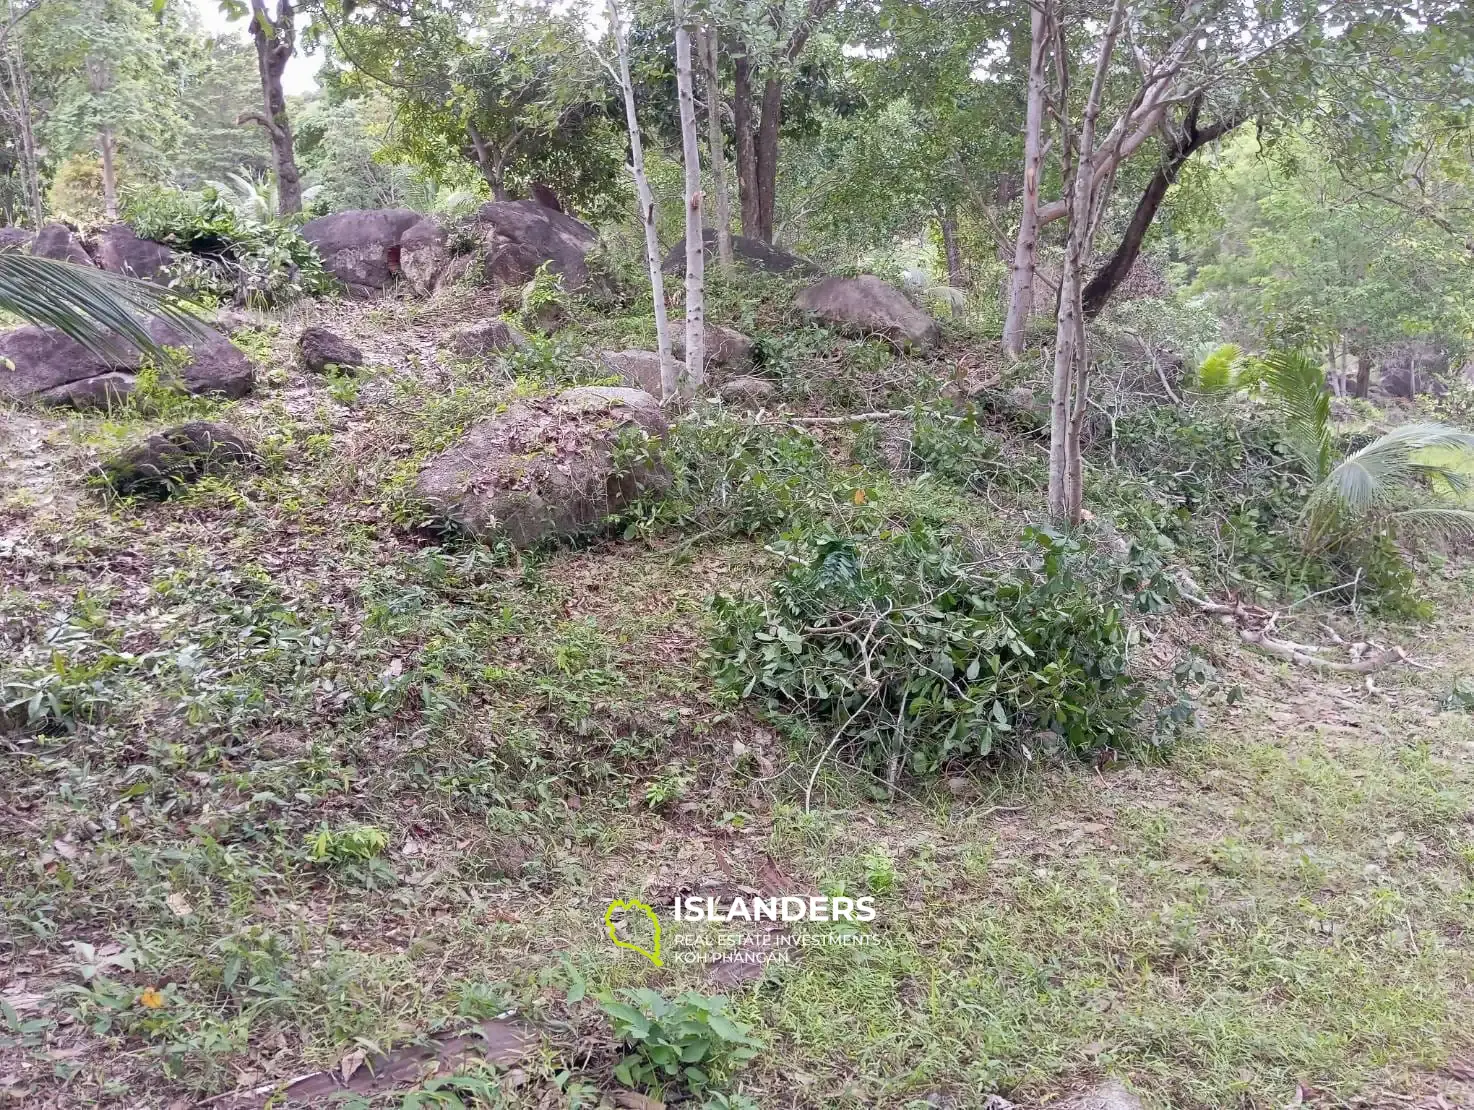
489,162
1021,289
718,145
275,42
767,156
746,146
1180,148
1070,393
668,380
109,175
947,218
695,248
1363,374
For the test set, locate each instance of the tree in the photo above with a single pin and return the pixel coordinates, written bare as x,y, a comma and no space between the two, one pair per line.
669,384
716,143
276,40
1021,288
508,90
766,44
108,91
695,247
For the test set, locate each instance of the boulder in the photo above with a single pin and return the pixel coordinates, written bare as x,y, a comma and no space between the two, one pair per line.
484,337
426,260
866,306
60,242
518,236
544,468
752,253
640,369
1407,381
119,250
1110,1095
44,366
726,348
176,457
361,247
321,349
747,392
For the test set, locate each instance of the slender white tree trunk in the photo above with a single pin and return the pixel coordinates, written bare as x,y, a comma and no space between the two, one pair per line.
1021,289
669,382
1070,393
109,175
695,249
718,145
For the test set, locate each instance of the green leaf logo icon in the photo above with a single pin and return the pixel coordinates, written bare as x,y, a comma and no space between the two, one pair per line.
630,906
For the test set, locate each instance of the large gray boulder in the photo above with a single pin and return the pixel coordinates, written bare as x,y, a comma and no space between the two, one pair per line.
544,468
426,260
752,253
176,457
640,369
519,236
484,337
43,366
60,242
866,306
361,247
728,349
121,251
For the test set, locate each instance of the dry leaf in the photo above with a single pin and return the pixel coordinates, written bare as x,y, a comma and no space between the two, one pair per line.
351,1063
179,904
66,849
151,998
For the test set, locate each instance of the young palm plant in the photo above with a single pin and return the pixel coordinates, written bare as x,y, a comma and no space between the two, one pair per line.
1405,481
100,310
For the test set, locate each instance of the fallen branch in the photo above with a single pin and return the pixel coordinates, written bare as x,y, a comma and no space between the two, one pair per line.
851,418
1255,625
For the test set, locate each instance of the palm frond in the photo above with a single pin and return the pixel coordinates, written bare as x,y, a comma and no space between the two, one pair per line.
1371,475
1439,520
1215,368
1300,384
100,310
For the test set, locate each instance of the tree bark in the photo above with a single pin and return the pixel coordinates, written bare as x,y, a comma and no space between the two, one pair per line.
767,156
695,376
1021,288
668,381
1363,375
718,145
746,147
275,41
1070,389
950,245
109,175
1182,146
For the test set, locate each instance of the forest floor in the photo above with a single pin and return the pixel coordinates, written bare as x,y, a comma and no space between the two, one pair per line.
264,674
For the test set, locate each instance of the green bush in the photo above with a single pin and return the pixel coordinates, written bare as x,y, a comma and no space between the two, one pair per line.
919,653
224,255
688,1043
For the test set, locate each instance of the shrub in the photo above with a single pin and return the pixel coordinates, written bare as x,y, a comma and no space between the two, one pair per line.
225,255
920,654
689,1042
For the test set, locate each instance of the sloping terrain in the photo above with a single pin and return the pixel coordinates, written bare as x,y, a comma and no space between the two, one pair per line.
316,784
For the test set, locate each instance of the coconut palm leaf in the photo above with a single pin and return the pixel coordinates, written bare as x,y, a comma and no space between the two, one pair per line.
1439,520
1300,384
1389,464
100,310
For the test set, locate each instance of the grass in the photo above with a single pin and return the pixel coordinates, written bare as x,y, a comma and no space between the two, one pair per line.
315,783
